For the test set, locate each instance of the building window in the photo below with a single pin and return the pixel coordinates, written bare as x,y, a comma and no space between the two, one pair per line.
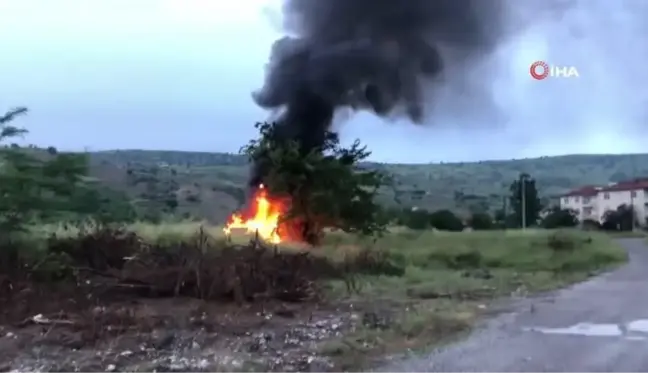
606,195
566,200
587,199
576,199
587,211
633,194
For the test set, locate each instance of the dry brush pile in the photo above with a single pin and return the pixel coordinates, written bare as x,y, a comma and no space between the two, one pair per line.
117,261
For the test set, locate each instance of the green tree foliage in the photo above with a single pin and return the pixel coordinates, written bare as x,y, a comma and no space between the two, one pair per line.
560,218
481,221
446,220
157,186
101,204
591,225
326,187
524,196
417,219
33,185
621,219
421,219
39,185
500,218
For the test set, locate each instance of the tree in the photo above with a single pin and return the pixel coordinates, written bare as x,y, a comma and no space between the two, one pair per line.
33,185
618,177
323,187
590,225
560,218
524,196
446,220
159,186
481,221
417,219
500,218
621,219
101,204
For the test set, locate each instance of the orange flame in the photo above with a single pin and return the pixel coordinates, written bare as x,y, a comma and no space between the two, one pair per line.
263,219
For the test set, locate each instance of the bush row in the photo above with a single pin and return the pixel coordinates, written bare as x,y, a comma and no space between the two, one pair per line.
420,219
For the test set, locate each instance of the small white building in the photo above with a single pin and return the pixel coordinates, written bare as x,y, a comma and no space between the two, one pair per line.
592,202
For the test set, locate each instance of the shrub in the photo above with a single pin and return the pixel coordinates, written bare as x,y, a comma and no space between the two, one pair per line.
560,218
446,220
481,221
565,241
621,219
560,242
416,219
199,265
591,225
462,259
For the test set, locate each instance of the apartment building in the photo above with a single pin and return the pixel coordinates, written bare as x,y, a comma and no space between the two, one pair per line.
591,202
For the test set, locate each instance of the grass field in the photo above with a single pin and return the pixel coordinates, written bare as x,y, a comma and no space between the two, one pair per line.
449,279
535,259
429,285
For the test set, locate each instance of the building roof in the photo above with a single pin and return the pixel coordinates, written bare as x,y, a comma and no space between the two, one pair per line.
627,185
592,190
585,191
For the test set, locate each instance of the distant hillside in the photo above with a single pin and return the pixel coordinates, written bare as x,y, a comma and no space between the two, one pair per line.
211,185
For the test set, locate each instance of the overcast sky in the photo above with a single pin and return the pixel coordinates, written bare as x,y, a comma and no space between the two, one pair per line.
177,74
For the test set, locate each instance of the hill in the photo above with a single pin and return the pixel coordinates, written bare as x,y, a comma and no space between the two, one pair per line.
211,185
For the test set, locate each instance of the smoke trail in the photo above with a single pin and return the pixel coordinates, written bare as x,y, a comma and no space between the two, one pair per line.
376,55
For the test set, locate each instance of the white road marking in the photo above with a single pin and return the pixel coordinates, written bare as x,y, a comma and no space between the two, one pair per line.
584,329
640,326
587,329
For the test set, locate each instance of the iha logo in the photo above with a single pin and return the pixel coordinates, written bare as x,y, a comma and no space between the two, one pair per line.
541,70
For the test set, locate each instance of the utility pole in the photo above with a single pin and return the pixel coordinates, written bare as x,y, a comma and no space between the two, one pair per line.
633,191
632,208
523,199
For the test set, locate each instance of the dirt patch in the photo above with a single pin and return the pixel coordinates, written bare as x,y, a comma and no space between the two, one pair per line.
67,332
108,301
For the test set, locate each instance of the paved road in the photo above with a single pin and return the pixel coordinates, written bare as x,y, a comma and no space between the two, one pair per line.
600,325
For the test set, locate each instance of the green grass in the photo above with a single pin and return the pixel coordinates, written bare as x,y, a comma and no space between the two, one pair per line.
449,279
426,256
629,234
153,233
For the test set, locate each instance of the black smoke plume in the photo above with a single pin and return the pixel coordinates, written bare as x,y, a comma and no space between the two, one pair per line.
376,55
